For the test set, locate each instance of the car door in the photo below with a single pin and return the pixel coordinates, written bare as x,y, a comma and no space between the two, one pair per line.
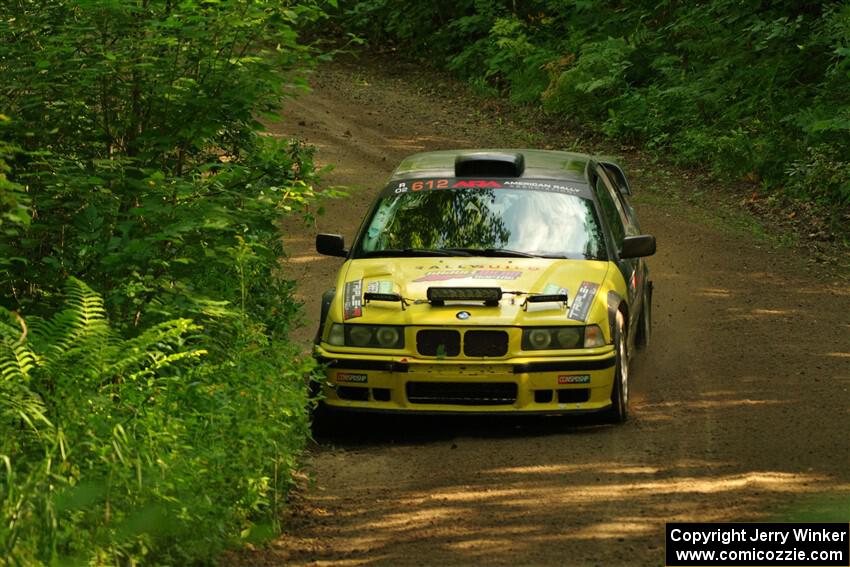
621,223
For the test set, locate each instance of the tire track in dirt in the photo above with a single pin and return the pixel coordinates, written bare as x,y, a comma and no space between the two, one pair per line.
740,405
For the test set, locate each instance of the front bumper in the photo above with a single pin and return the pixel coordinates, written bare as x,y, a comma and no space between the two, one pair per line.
576,384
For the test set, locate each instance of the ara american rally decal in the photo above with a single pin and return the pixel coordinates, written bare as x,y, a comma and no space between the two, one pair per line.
434,184
583,300
352,304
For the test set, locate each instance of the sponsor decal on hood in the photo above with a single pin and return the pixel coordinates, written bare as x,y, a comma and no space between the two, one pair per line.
352,300
583,300
381,286
411,278
445,275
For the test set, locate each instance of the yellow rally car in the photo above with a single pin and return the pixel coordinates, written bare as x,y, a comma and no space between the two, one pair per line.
489,281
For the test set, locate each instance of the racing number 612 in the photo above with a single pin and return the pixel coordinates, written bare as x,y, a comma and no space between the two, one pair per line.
430,184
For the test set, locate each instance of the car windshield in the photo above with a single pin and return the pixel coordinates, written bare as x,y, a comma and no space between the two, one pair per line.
483,221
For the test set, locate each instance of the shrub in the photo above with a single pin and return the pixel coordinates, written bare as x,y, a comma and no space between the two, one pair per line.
154,413
144,448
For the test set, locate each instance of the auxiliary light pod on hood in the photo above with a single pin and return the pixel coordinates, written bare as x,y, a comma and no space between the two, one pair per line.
489,295
394,297
545,298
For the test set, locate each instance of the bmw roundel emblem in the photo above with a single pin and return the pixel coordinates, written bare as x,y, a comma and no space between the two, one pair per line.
463,315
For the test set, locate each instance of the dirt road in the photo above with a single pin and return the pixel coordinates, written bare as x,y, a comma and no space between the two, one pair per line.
740,410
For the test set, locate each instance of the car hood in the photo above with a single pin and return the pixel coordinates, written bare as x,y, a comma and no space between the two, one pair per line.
411,278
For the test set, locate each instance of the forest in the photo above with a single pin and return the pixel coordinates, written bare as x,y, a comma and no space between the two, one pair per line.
153,406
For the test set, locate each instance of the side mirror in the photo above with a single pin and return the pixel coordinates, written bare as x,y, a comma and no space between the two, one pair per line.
331,245
638,246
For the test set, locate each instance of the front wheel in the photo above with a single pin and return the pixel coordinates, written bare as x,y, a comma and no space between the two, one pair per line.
619,411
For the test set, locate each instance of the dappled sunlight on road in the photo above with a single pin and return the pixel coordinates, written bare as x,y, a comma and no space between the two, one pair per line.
648,408
613,530
404,520
714,293
304,258
783,312
530,506
612,468
533,492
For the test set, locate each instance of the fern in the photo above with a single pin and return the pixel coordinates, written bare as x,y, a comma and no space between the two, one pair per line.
16,358
154,349
16,362
77,345
17,402
76,340
77,398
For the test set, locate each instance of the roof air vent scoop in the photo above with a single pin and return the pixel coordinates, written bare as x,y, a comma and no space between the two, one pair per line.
489,164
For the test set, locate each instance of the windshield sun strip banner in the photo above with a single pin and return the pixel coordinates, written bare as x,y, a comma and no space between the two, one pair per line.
442,183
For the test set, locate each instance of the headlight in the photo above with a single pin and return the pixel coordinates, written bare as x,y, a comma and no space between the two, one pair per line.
569,337
387,336
368,336
337,335
550,338
360,336
539,338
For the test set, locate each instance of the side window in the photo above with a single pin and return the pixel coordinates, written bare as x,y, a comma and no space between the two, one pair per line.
618,190
610,211
616,177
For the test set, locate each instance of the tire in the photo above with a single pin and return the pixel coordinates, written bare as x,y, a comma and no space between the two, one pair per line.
324,422
644,327
619,411
322,418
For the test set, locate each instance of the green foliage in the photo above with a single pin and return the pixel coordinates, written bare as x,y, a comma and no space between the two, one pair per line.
132,159
822,174
597,75
13,201
139,146
118,448
744,88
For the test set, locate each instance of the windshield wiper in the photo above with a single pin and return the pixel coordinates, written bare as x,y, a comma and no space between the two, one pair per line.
395,252
494,252
571,256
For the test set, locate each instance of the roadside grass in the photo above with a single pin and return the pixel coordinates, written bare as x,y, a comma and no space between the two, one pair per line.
822,507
